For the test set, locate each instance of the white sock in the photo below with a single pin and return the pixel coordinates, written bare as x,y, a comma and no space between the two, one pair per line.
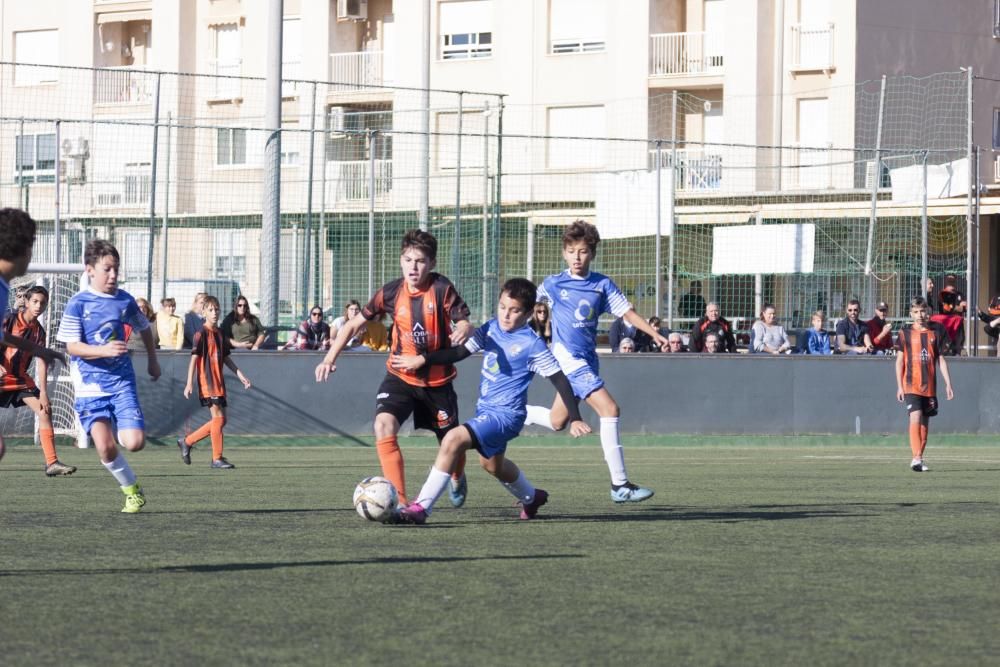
521,488
121,470
540,416
432,489
613,453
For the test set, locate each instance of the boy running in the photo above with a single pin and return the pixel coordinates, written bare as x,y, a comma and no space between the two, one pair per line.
18,388
423,305
93,328
921,347
210,351
578,296
512,354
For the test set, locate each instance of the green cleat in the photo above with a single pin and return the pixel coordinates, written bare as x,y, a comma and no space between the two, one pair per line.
134,500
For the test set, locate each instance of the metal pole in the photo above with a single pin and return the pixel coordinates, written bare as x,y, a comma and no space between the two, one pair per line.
20,165
270,241
970,321
673,188
321,241
372,135
425,114
779,80
974,290
875,180
497,199
152,189
57,223
923,232
758,279
457,236
166,213
484,314
658,257
307,251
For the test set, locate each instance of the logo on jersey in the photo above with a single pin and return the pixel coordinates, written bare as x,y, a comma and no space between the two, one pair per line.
443,418
584,311
430,306
491,364
402,311
564,295
419,335
515,350
109,331
925,356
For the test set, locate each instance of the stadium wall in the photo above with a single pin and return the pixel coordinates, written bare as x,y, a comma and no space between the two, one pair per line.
686,394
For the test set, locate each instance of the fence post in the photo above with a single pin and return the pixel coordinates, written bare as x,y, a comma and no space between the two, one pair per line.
486,211
974,286
270,228
497,199
970,318
307,250
372,135
19,152
457,236
673,190
166,213
658,256
321,241
152,189
425,114
57,223
876,178
923,230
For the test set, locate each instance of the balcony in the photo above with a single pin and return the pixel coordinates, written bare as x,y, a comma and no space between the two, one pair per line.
352,181
226,83
697,169
123,85
361,70
130,188
685,54
812,48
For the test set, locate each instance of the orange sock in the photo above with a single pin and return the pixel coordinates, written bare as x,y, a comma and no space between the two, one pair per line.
915,445
203,432
391,460
923,439
216,433
48,439
459,466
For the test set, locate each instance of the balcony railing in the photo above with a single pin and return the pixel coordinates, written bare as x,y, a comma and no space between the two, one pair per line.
226,85
685,54
353,179
696,168
356,71
130,189
812,47
123,85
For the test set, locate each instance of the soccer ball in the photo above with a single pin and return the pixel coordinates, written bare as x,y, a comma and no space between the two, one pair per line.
375,498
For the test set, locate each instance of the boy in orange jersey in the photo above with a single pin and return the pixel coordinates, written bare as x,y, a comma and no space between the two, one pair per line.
423,305
921,347
210,350
17,387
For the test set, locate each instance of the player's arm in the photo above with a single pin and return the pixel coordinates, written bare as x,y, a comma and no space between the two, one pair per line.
448,355
231,365
152,363
636,320
943,363
899,376
34,349
577,426
189,387
344,334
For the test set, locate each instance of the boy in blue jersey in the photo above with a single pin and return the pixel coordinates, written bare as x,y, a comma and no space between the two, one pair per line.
93,328
512,354
577,297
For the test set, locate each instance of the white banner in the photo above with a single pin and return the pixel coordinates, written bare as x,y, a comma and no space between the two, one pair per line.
625,204
943,180
751,249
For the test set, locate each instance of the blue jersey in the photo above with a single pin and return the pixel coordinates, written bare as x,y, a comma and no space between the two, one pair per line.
4,302
576,303
510,360
95,318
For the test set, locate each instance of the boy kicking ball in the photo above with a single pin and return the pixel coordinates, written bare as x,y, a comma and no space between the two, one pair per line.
512,354
920,346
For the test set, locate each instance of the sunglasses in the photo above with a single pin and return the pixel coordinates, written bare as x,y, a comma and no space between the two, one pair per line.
316,314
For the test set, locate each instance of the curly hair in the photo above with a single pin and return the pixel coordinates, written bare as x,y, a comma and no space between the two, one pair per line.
581,231
98,248
17,233
421,240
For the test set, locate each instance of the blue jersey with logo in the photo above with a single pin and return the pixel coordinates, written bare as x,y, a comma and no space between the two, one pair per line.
95,318
4,302
510,360
576,303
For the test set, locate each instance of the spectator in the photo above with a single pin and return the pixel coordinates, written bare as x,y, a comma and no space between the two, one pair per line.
692,304
880,330
651,346
193,319
135,343
169,327
951,314
626,345
620,330
713,322
675,343
768,336
711,343
374,336
852,334
815,340
991,320
242,328
541,322
351,309
313,334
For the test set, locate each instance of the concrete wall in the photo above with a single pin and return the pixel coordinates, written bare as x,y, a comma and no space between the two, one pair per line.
658,394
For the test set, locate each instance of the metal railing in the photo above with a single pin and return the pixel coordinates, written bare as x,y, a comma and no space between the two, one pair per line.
353,179
358,70
123,85
697,169
812,47
685,54
226,84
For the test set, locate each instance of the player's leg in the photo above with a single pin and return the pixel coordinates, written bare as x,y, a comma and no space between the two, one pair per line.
453,446
389,455
98,425
437,410
131,425
47,438
915,407
555,418
622,490
218,422
513,479
3,448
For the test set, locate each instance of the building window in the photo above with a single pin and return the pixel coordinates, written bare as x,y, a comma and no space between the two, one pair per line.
38,47
230,254
291,56
466,29
348,127
230,146
134,245
996,126
577,26
590,124
35,158
227,60
473,127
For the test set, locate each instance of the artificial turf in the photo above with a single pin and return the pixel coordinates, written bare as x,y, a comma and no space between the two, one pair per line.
753,552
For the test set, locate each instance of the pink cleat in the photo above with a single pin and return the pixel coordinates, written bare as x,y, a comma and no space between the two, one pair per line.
529,510
414,513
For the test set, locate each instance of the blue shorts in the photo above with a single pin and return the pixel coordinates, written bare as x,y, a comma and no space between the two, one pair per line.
122,409
585,381
493,430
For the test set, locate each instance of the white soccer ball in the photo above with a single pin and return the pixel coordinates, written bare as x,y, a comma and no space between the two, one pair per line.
375,498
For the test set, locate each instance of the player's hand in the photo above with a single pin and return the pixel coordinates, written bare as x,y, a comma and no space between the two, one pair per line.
43,402
407,362
3,371
114,348
899,395
244,380
153,368
949,393
324,369
52,356
462,332
661,341
579,428
187,391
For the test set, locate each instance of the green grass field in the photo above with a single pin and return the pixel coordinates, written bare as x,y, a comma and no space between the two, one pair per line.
754,551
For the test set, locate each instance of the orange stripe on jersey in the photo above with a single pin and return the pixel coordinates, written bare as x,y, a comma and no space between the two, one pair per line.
211,350
920,349
15,361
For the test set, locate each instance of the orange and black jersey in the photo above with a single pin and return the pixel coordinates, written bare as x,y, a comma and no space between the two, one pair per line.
16,361
421,323
920,349
211,348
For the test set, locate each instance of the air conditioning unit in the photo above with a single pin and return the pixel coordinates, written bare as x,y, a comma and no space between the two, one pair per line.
356,10
996,169
883,181
76,148
73,170
336,120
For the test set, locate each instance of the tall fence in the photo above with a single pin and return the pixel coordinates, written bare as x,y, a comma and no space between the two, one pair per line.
169,166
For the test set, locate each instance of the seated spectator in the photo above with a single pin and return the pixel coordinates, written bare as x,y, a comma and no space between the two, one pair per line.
193,319
651,346
852,334
951,314
135,342
767,335
711,344
692,304
374,336
713,322
620,329
675,343
815,340
991,320
541,322
880,330
351,309
242,328
169,327
313,334
626,346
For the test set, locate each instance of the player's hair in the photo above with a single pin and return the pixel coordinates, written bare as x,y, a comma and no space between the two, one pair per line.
98,248
212,301
581,231
17,233
918,302
168,301
421,240
521,290
37,289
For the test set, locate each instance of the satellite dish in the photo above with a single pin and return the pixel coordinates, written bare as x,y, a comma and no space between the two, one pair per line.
708,106
67,146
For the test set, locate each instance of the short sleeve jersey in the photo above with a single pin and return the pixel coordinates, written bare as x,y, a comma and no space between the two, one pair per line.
4,302
15,361
510,360
577,303
421,323
96,318
211,348
920,349
853,333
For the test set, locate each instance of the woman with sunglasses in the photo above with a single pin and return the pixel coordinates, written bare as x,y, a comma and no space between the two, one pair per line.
243,328
313,334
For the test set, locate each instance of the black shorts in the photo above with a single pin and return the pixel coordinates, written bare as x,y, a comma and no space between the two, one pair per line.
928,405
214,400
15,399
433,408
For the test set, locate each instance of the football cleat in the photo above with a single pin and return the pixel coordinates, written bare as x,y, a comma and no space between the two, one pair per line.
185,449
222,464
58,468
134,499
630,493
458,490
918,465
413,514
529,510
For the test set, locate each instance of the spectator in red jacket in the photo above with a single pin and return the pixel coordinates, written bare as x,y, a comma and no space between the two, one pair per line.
879,330
713,322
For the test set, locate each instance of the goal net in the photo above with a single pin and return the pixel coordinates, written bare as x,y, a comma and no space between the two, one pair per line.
62,281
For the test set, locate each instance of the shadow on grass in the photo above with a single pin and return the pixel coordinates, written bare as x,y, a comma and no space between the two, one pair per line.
250,567
721,516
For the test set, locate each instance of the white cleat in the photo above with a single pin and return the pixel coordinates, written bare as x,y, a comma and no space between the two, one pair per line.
917,465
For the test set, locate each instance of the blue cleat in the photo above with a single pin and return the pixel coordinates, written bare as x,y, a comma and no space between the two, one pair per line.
458,490
630,493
